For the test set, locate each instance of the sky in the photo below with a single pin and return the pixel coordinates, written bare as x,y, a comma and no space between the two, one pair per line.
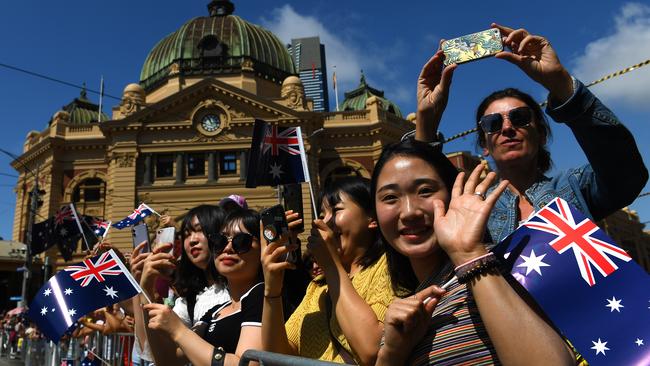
78,41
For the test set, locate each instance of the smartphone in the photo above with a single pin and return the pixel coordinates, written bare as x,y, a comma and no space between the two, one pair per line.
166,235
274,223
141,233
472,46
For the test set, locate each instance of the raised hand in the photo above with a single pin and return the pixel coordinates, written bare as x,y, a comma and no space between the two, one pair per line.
324,245
460,227
432,95
271,255
137,260
405,324
158,264
535,56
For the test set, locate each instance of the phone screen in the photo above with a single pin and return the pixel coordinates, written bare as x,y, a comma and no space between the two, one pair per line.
140,234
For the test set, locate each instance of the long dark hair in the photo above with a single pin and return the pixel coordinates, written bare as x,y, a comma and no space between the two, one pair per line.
358,190
544,161
402,275
191,280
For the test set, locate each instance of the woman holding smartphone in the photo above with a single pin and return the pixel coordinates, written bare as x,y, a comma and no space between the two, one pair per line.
433,221
340,318
196,281
229,328
514,132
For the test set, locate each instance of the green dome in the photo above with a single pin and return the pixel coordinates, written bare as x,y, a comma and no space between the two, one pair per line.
355,100
83,111
217,44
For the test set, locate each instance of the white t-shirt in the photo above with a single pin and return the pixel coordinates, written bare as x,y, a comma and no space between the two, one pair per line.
208,298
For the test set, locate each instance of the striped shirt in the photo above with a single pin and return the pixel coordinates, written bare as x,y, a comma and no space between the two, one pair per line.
456,334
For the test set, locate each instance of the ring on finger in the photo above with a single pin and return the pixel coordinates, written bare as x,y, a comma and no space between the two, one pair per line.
480,194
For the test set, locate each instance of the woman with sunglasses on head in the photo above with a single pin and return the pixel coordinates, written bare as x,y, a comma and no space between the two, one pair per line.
341,317
514,132
433,222
230,328
194,277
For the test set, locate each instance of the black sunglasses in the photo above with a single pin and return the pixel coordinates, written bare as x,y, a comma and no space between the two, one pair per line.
518,117
241,242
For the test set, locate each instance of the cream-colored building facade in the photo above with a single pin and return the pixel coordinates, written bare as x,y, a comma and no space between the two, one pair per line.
180,137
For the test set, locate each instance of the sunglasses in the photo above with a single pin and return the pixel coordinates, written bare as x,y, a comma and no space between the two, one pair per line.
241,242
518,117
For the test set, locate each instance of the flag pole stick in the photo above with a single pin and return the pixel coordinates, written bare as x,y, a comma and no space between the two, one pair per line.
152,210
99,358
81,230
313,201
336,90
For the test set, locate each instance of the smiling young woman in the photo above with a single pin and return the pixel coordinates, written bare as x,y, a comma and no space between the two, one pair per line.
432,222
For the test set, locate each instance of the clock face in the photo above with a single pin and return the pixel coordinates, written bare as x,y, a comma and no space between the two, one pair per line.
210,122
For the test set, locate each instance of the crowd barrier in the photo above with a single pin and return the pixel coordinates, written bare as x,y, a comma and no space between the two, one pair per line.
111,349
115,350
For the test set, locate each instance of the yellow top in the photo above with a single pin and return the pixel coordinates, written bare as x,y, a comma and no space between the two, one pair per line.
308,328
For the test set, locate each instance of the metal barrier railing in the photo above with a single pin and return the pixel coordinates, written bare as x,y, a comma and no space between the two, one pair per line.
111,349
115,350
277,359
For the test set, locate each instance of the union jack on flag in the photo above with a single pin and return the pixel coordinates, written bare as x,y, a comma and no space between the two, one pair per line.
285,140
88,270
554,255
64,214
589,251
99,226
79,289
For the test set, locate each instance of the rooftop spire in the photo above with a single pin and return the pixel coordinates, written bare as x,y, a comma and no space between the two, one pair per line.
220,8
83,94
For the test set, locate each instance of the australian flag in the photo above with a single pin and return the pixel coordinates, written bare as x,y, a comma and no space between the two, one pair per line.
61,230
79,289
590,288
136,216
98,226
277,156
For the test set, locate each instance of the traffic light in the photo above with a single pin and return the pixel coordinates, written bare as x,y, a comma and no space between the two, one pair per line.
36,195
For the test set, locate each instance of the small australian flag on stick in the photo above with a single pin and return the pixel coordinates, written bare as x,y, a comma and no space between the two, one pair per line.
277,156
79,289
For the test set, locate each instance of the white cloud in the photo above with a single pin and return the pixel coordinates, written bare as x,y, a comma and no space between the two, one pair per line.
626,45
349,56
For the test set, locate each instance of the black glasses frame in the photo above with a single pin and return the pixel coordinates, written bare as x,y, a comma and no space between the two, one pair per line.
518,117
241,242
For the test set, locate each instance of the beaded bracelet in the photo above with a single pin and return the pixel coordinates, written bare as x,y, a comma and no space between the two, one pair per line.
476,267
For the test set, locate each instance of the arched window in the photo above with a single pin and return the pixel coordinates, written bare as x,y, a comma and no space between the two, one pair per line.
89,196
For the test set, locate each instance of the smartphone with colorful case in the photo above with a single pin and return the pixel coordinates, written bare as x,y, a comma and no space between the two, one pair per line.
472,46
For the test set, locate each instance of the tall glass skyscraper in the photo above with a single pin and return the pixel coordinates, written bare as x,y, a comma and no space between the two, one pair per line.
309,57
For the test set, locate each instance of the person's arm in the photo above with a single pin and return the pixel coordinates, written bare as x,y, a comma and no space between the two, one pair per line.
519,335
274,334
358,321
616,174
163,348
618,171
433,87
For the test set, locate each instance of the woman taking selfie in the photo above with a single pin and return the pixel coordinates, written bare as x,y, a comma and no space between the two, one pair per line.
433,222
340,318
514,132
230,328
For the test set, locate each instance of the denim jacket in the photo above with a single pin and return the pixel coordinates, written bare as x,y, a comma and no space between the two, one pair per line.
611,180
